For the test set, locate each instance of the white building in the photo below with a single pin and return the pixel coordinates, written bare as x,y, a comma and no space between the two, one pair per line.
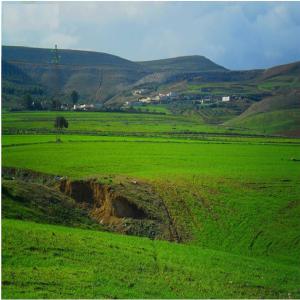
145,100
163,96
83,106
226,99
156,98
171,94
139,92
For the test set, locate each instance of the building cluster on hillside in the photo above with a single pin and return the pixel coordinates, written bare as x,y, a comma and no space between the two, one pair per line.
215,99
144,97
159,98
208,99
171,96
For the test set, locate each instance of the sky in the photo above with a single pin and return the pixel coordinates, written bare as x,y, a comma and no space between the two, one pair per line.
236,35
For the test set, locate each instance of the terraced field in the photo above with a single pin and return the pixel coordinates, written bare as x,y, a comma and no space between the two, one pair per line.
215,215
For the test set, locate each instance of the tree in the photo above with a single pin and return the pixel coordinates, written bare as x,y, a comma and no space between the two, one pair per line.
27,101
37,105
74,97
56,104
59,124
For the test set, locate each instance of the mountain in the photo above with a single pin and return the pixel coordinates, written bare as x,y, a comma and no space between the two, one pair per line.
96,76
16,83
66,57
279,114
105,78
292,69
186,64
13,73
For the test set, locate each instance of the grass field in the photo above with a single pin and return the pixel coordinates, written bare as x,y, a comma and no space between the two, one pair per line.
155,159
275,121
121,123
246,88
221,88
58,262
158,108
234,201
284,82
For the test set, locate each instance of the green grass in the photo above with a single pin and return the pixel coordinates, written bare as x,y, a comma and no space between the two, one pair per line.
234,200
105,122
280,82
145,125
223,88
240,182
150,159
160,108
279,121
13,139
46,261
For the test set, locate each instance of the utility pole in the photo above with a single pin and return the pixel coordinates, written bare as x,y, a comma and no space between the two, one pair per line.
56,74
56,57
98,91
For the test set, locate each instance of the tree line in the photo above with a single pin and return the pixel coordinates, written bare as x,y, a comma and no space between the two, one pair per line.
33,103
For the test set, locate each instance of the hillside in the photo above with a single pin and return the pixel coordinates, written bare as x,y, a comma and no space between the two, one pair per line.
100,76
195,63
67,57
96,76
16,83
292,69
110,80
280,112
55,262
229,204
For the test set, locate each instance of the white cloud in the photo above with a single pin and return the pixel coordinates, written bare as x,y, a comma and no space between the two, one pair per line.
235,34
103,13
33,23
63,40
30,16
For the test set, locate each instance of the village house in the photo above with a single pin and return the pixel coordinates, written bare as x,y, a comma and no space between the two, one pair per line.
225,98
145,100
83,107
155,99
139,92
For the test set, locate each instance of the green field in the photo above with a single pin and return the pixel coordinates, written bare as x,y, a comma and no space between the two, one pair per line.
117,124
280,82
43,261
233,200
281,121
106,123
223,88
155,159
157,108
246,88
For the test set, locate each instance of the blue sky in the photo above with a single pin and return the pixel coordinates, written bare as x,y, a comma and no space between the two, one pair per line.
237,35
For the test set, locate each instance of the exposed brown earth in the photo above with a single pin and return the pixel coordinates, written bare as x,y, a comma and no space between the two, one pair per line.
105,204
129,206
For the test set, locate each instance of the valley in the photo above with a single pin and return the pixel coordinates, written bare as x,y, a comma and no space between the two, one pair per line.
145,205
174,178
